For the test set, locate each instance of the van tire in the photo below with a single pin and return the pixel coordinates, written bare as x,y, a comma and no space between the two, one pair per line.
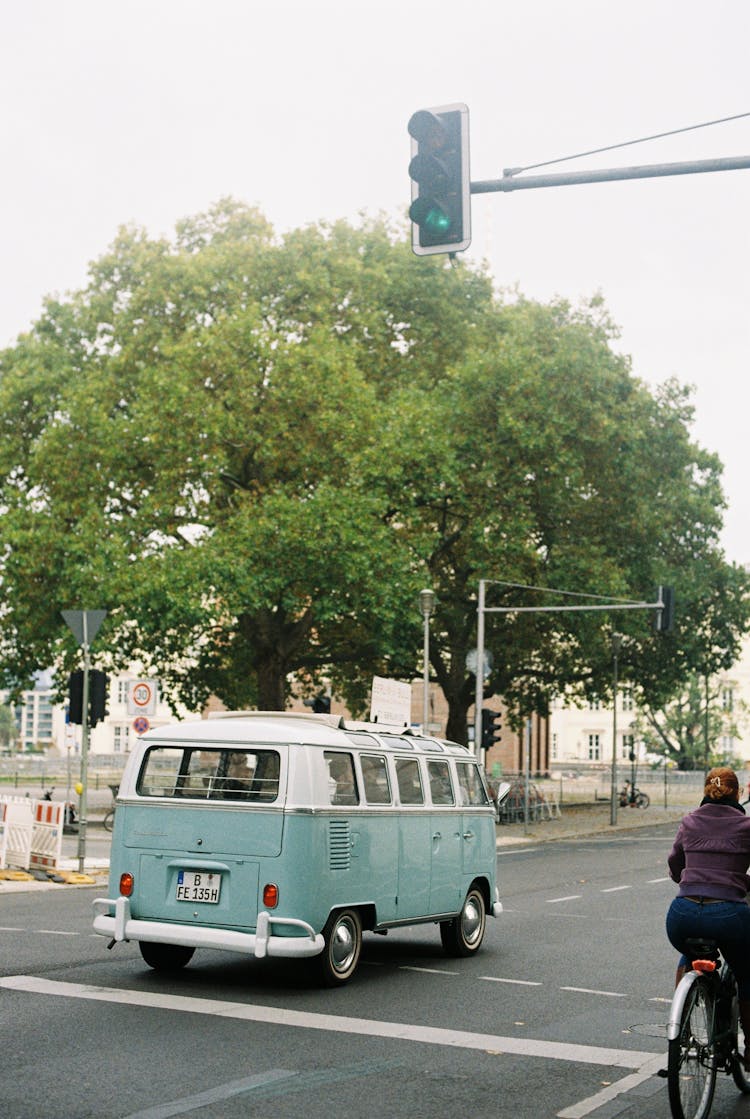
343,944
165,957
463,934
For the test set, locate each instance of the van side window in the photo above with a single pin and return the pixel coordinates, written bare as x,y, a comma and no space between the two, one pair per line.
471,788
375,775
409,781
441,789
342,784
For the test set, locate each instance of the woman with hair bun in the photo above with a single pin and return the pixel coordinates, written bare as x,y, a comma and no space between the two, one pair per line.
709,860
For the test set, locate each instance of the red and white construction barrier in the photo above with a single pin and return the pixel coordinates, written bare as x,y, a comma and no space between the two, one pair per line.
31,833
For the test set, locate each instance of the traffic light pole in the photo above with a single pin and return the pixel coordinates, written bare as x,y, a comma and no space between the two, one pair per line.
512,180
83,803
664,593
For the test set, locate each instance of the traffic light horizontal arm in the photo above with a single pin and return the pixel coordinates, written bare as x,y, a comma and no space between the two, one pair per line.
510,181
570,609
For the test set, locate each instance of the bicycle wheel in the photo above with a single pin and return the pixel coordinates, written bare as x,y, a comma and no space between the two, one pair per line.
109,820
642,800
691,1063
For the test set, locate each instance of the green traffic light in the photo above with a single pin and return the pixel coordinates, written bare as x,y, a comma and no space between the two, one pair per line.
437,221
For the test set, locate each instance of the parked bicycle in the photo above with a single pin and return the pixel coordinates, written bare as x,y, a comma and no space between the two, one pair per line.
702,1034
631,796
109,819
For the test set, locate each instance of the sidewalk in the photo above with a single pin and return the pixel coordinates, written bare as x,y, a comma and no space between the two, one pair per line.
578,820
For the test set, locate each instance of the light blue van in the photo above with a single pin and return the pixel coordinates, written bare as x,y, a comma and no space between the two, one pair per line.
281,834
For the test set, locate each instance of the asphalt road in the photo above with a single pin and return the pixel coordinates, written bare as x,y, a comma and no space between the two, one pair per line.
561,1014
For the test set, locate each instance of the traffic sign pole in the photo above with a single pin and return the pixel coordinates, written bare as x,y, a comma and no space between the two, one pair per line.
85,625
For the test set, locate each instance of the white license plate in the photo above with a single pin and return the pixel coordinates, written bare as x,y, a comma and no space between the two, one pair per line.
198,885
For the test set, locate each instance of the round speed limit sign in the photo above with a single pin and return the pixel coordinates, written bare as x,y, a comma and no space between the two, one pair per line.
142,695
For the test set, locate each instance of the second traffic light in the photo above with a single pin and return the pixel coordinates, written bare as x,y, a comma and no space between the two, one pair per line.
491,728
440,210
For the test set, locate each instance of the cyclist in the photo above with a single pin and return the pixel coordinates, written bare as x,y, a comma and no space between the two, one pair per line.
709,860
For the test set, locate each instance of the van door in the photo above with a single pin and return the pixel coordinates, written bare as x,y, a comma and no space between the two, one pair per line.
414,842
478,839
445,839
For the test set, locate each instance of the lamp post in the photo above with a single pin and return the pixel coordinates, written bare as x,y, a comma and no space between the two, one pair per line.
616,646
426,605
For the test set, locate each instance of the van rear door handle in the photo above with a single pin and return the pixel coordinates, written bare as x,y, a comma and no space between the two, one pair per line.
438,835
468,835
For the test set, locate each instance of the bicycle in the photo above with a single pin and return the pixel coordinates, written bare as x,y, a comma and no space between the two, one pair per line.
702,1033
633,797
109,817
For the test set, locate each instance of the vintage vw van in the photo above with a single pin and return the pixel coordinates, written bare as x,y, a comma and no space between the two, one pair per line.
280,834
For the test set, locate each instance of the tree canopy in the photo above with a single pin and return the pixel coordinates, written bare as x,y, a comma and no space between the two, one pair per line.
254,450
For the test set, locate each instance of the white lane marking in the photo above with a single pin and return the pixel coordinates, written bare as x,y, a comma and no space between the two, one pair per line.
593,991
653,881
281,1016
518,982
593,1103
56,932
570,897
10,928
213,1095
615,889
429,970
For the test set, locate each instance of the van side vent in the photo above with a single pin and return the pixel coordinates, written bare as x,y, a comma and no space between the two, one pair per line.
339,846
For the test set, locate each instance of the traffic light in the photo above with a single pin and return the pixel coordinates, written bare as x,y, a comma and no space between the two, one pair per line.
491,728
97,697
665,616
440,209
75,697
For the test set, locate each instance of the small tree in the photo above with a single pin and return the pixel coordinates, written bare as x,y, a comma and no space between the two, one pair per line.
8,730
688,730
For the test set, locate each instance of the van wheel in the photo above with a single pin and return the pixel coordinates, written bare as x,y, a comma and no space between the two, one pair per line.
463,935
343,944
165,957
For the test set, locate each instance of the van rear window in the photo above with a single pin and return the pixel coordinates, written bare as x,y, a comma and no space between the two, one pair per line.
205,773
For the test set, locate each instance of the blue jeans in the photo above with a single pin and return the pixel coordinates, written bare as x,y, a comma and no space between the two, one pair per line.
726,922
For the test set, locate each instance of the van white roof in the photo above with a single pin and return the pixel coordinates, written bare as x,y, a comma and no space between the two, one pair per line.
242,727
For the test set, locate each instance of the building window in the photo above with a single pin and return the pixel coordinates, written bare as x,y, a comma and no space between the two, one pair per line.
595,704
553,747
595,748
627,699
122,690
727,699
122,739
628,744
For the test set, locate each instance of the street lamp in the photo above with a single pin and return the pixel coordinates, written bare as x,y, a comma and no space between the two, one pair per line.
616,646
426,606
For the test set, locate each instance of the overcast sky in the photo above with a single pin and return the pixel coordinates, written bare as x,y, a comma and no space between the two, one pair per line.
149,110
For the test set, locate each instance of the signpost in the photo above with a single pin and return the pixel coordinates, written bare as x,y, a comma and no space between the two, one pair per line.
85,625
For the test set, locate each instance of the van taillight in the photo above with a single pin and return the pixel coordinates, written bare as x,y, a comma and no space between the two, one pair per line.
270,895
127,882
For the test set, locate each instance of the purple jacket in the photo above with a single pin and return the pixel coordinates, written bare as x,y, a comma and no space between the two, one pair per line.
711,853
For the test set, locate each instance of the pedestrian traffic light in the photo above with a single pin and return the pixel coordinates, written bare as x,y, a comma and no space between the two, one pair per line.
97,697
664,614
75,697
440,209
491,728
